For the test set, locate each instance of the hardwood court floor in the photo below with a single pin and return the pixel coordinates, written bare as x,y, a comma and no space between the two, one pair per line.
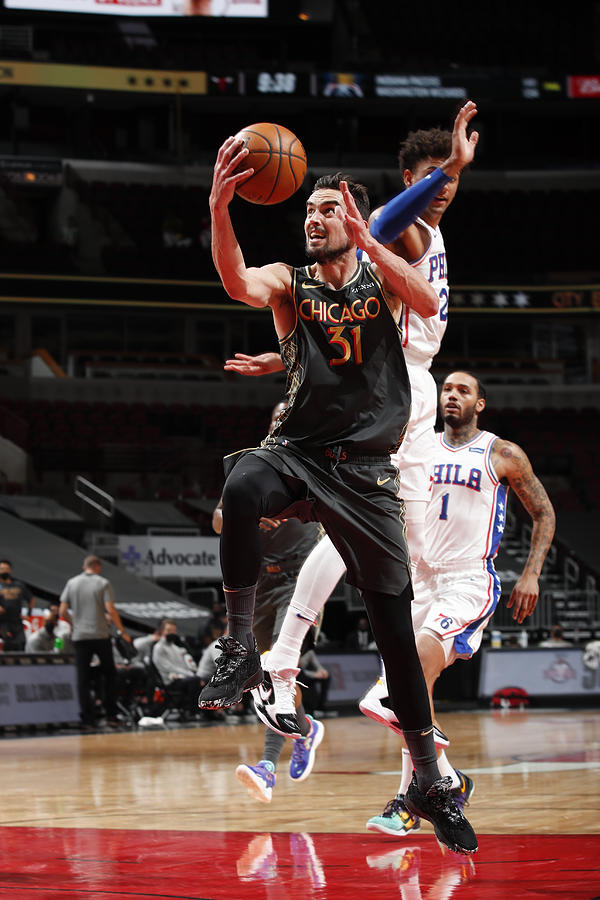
160,814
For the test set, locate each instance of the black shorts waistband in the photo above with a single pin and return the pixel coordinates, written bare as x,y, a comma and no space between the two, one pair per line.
337,453
341,455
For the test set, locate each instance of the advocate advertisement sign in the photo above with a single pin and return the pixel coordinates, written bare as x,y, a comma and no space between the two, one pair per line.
159,556
226,8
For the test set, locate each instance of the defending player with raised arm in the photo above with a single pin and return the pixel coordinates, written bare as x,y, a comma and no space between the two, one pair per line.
328,457
457,588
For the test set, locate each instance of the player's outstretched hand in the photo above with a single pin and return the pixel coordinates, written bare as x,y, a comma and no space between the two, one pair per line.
263,364
225,178
463,145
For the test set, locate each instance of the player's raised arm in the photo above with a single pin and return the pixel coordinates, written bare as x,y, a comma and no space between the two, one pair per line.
255,286
511,463
401,281
388,222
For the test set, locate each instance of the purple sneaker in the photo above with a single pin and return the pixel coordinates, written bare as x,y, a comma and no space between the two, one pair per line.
304,750
259,780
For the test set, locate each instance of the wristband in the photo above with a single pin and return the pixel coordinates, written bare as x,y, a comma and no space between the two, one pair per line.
403,209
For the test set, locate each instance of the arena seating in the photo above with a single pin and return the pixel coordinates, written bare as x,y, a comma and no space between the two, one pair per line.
185,443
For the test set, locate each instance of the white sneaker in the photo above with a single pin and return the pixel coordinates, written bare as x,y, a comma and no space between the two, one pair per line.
371,705
274,700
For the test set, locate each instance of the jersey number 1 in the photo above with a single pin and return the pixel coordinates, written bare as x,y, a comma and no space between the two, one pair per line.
444,512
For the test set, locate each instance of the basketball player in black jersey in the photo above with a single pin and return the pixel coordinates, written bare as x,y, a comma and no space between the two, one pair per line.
327,459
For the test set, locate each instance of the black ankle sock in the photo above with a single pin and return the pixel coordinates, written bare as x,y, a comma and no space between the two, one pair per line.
240,611
421,746
274,744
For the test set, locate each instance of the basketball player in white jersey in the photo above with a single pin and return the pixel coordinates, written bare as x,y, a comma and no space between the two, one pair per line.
457,587
431,162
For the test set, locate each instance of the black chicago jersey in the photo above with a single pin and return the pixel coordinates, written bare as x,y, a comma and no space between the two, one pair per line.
347,379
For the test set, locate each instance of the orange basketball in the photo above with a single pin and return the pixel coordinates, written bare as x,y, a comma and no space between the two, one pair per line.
279,162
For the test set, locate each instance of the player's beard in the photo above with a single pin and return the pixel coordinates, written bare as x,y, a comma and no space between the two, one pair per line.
460,419
326,254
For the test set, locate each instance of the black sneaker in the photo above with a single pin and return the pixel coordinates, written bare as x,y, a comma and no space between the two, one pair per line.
439,807
238,670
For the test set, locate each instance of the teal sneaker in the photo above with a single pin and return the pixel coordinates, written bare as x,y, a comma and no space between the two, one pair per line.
259,780
395,819
304,750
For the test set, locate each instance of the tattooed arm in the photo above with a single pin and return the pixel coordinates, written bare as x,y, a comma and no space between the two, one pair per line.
511,464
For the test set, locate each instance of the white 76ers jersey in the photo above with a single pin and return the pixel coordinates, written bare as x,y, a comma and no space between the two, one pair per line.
467,511
421,338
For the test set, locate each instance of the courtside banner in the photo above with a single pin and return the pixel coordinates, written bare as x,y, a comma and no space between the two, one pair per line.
541,671
351,674
159,556
33,694
227,8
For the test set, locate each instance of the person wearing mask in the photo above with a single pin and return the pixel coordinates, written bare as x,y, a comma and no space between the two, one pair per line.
54,635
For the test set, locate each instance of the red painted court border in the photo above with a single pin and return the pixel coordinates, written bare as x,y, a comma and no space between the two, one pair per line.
99,864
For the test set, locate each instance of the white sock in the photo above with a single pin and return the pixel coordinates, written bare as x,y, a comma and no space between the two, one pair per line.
447,769
407,771
320,573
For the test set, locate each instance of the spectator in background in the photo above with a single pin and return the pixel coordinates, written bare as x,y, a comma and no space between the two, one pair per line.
55,634
14,597
145,643
556,638
175,663
133,677
361,638
83,603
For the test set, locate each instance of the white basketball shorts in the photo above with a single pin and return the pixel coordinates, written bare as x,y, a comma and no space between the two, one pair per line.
454,602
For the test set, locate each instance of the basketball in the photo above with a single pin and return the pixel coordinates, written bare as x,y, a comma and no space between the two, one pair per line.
279,162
